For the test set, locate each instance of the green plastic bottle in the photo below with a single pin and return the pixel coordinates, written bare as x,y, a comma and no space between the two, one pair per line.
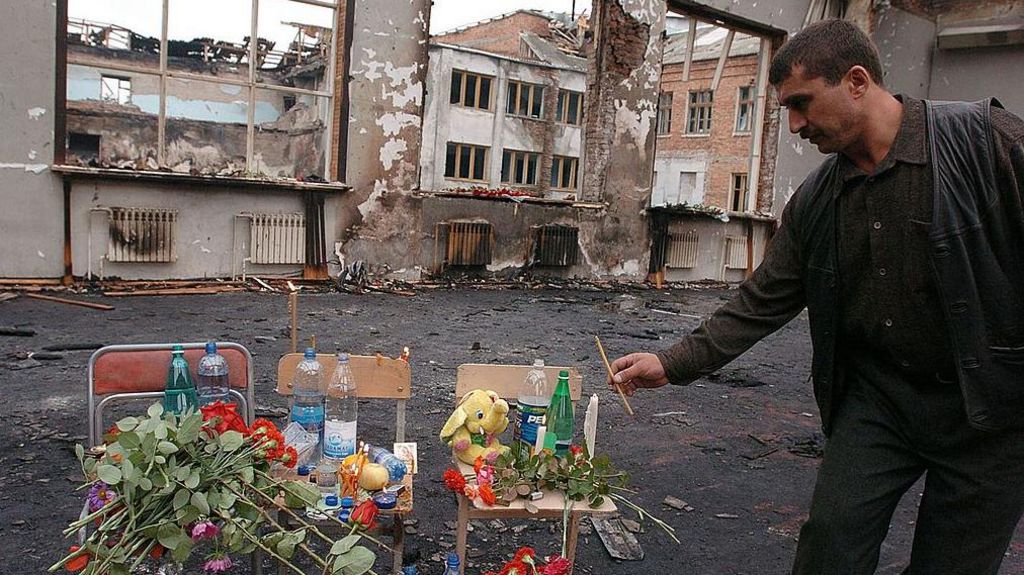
560,416
180,393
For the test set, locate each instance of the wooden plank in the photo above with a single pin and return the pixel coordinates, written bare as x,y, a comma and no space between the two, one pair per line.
29,282
7,296
620,543
506,379
689,49
376,378
551,505
726,48
88,304
174,291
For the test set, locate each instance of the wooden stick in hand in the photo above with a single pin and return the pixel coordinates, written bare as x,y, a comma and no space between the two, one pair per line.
625,402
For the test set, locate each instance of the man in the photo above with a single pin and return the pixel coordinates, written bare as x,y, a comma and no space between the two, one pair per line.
907,248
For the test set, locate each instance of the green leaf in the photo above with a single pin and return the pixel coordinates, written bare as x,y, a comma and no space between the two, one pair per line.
109,474
183,551
166,447
170,536
160,430
128,470
181,497
343,545
193,480
248,475
298,494
199,501
129,440
145,484
357,561
160,459
79,451
188,428
182,473
127,424
286,548
155,410
227,500
187,514
231,440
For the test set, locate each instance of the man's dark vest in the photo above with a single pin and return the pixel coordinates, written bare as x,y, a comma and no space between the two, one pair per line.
978,267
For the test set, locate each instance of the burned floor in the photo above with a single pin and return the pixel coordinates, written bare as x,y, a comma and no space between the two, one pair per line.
729,461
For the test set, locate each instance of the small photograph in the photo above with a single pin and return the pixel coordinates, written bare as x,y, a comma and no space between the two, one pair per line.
407,453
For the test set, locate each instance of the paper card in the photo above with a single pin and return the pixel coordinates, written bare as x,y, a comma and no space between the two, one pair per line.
407,453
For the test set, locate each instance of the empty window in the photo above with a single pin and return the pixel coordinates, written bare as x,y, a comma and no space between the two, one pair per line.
698,119
745,109
465,161
525,99
519,167
738,194
471,90
665,113
563,172
116,89
85,147
570,107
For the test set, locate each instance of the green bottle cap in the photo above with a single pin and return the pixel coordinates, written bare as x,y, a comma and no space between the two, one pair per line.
564,373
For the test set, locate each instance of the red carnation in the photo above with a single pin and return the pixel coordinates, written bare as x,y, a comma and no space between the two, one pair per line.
454,480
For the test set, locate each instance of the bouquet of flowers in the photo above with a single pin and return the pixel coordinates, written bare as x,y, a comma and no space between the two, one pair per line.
525,563
165,486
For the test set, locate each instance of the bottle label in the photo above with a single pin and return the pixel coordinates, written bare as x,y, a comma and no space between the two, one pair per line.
311,418
339,438
528,419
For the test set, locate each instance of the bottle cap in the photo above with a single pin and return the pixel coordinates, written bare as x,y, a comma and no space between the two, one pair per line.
453,559
303,470
385,500
211,347
342,357
564,373
176,348
346,501
331,500
310,353
538,363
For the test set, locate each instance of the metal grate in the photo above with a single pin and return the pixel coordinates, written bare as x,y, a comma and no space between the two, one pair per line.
469,244
736,252
682,250
555,245
142,235
278,239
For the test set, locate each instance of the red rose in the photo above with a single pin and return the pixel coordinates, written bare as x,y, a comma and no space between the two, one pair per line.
78,563
223,417
365,514
556,565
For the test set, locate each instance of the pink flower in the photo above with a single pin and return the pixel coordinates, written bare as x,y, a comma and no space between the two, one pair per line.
485,476
218,564
205,530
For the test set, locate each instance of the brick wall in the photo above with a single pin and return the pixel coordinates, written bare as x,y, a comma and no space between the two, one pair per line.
728,152
500,36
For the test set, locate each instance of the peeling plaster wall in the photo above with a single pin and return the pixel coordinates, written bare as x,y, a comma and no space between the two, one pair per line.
622,96
31,222
378,221
905,42
712,235
210,240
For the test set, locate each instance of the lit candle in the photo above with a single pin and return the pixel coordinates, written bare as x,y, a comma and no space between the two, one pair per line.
590,425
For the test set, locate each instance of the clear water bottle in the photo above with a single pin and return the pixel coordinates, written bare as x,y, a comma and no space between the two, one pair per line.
451,564
308,399
327,477
212,376
180,391
395,466
341,412
532,406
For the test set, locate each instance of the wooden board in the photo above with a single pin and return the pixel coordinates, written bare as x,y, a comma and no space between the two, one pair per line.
382,378
620,543
506,379
551,505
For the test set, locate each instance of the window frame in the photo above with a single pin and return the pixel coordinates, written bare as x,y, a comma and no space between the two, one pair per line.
508,167
563,104
463,84
558,172
747,103
164,73
699,124
664,117
738,193
532,97
121,81
473,149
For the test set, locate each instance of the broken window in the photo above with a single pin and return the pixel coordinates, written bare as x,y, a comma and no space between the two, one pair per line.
563,172
116,89
664,113
465,162
85,147
524,99
738,193
519,167
744,108
570,107
698,119
221,94
471,90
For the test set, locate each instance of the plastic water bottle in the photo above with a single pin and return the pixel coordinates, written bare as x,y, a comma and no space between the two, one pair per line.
308,399
451,565
341,412
212,376
180,391
532,406
395,466
327,477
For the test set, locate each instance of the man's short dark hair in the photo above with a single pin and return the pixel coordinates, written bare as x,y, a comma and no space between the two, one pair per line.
826,49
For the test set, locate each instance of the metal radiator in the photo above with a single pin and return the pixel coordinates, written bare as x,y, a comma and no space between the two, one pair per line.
468,244
736,252
278,239
142,235
682,250
555,245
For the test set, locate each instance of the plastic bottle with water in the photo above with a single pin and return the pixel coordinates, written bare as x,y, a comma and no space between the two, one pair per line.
341,412
451,564
212,376
308,399
395,466
531,409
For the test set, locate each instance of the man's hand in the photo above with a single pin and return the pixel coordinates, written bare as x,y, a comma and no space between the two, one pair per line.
638,370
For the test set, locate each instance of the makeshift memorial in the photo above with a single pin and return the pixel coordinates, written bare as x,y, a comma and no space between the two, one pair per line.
472,429
173,487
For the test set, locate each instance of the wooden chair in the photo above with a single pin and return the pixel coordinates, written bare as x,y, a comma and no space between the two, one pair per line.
505,380
376,378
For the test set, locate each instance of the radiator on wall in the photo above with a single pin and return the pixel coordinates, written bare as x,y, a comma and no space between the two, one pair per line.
736,252
466,243
555,245
142,235
682,250
277,239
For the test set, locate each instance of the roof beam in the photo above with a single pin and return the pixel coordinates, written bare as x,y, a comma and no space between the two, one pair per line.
726,47
689,48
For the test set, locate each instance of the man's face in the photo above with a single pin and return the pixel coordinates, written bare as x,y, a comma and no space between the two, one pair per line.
822,114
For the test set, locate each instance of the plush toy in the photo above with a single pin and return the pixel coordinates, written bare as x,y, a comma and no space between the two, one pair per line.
473,429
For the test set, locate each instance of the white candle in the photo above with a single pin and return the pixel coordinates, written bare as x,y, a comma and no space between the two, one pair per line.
590,424
538,444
